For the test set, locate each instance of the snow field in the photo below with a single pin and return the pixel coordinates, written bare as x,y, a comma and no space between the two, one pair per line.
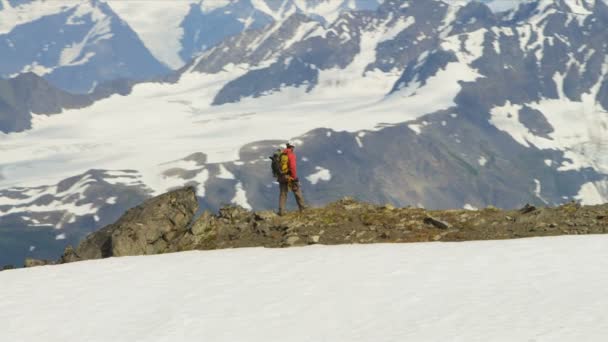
541,289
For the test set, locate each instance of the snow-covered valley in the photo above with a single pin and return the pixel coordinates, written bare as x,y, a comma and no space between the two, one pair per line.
541,289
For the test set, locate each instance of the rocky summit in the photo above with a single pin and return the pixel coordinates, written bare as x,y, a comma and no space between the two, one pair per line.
168,223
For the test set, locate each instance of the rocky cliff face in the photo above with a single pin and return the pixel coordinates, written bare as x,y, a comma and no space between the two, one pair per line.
167,223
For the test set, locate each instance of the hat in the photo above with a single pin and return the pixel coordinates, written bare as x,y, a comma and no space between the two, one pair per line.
290,144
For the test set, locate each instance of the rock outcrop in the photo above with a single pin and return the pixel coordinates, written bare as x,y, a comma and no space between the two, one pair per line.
147,229
30,262
167,224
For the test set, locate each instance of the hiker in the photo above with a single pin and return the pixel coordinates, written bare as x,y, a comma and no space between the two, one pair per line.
284,168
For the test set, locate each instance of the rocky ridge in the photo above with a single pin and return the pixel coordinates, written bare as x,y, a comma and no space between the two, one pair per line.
168,223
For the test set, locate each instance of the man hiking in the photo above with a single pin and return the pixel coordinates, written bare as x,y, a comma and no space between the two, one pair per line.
285,170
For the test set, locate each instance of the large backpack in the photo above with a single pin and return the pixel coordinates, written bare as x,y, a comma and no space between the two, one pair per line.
275,163
279,163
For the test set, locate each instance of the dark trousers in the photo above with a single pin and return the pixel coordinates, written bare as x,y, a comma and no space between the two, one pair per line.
297,192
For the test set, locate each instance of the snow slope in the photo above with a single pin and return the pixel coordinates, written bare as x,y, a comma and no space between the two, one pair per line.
543,289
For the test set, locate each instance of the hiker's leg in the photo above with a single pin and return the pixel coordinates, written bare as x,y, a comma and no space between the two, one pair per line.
297,192
282,197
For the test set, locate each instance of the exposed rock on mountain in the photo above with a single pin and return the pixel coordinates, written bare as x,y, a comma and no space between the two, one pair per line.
29,94
165,224
146,229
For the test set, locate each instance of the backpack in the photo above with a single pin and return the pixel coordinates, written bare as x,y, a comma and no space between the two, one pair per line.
279,163
275,163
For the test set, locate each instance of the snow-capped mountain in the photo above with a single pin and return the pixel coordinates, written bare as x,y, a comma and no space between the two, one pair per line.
77,45
175,32
417,102
74,44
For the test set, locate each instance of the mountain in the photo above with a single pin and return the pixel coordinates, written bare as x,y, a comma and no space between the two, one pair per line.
29,93
75,45
179,31
417,103
40,221
29,96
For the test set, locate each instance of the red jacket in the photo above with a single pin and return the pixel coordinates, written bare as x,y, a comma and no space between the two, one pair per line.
293,170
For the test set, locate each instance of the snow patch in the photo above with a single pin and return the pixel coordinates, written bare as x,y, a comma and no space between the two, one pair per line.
593,193
470,207
224,173
322,174
240,197
208,6
201,178
506,118
359,142
417,128
538,190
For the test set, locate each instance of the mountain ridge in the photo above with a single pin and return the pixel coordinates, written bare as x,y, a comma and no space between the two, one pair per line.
168,223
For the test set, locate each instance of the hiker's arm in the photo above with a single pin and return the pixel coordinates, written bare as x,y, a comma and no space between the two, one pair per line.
292,166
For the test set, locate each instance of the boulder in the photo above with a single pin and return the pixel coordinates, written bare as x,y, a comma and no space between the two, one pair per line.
30,262
69,255
266,215
292,240
437,223
314,239
145,229
202,225
527,209
234,213
388,206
